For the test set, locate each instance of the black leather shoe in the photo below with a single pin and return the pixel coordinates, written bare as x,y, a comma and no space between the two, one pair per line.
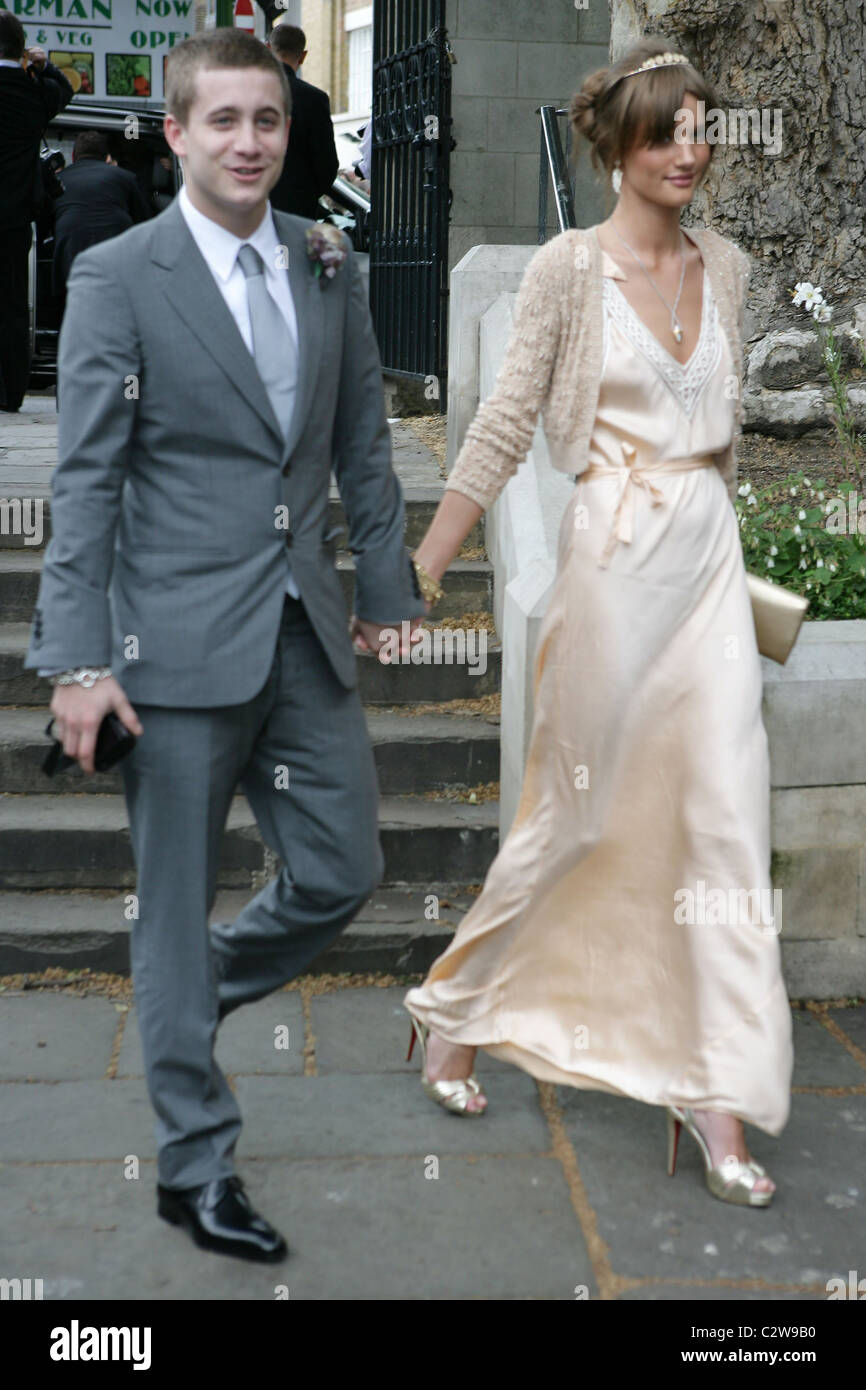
219,1216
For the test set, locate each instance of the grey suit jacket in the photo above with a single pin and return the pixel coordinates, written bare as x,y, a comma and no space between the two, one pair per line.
168,552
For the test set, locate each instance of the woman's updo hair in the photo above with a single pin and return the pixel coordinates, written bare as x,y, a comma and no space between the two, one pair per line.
615,113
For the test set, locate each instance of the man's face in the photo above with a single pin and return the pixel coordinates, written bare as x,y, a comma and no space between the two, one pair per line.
233,143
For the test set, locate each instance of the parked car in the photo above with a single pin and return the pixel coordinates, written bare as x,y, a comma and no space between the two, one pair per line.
137,142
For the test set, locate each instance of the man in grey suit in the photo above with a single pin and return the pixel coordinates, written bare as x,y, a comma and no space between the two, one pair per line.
211,381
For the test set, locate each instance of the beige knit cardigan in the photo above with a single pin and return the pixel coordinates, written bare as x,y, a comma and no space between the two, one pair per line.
553,365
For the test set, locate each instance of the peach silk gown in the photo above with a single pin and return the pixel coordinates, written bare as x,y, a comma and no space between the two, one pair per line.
611,947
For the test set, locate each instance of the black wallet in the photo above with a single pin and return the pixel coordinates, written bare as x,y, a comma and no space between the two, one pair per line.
113,742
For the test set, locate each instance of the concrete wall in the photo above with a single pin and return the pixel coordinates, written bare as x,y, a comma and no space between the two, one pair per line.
511,57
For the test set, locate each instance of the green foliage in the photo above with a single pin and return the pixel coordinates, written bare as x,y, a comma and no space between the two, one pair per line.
814,554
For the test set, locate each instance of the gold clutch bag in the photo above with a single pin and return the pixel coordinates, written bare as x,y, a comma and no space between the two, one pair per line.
778,614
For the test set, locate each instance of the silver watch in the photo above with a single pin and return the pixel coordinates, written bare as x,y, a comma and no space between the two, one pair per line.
85,676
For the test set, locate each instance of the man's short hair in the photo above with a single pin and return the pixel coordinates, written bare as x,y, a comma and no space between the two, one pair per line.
217,48
90,144
13,39
287,40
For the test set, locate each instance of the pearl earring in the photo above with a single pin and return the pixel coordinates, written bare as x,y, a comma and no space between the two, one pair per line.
616,177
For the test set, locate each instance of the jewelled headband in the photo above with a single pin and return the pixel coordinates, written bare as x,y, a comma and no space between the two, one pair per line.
661,60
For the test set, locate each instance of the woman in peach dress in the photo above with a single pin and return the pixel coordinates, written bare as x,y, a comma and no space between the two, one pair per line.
589,958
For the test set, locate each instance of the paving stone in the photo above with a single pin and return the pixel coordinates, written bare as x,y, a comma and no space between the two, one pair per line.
75,1120
356,1230
367,1030
245,1041
853,1023
46,1037
338,1160
342,1115
715,1293
814,1229
819,1058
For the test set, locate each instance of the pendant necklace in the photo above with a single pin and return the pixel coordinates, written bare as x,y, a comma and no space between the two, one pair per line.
676,326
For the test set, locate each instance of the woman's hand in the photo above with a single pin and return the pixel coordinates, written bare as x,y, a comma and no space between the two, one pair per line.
381,637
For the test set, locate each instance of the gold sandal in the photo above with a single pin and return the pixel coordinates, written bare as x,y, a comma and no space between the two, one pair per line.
452,1095
733,1180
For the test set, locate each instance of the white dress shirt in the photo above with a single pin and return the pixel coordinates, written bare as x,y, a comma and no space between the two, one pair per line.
219,248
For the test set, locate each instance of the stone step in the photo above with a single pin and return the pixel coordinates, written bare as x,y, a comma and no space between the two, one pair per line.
468,585
420,505
393,933
403,684
413,753
83,842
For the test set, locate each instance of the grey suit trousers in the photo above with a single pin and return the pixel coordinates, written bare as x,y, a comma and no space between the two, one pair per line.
301,752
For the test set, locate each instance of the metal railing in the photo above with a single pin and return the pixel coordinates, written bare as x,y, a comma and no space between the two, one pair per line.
553,167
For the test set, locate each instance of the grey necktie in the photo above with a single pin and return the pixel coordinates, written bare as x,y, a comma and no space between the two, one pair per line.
273,345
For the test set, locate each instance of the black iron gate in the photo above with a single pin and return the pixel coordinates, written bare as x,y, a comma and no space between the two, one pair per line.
410,193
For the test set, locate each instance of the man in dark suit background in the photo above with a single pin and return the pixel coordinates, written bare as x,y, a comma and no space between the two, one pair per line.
29,99
311,161
99,201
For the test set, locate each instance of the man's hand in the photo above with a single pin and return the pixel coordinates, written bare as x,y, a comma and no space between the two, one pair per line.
78,714
37,56
372,637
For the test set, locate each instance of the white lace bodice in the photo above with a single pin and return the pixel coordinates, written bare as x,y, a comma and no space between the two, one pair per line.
666,409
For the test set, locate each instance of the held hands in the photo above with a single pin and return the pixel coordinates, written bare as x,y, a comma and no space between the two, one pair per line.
371,637
78,713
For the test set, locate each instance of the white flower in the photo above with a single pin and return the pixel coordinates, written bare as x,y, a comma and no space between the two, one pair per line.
803,564
832,568
807,295
798,530
820,497
803,546
752,500
744,489
774,550
808,585
820,564
806,482
822,313
801,516
793,491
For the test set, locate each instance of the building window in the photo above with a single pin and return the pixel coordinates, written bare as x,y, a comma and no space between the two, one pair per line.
359,32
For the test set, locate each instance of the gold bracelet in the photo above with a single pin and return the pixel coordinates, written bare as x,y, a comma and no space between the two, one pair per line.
431,592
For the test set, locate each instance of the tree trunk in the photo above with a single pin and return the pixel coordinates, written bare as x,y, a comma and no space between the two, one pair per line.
799,213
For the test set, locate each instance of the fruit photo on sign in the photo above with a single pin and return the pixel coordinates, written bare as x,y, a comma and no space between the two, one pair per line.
127,75
77,68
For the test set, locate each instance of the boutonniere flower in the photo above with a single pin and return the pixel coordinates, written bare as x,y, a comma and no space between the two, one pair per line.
325,248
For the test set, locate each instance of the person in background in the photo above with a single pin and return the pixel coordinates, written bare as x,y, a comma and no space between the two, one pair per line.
311,161
32,91
99,201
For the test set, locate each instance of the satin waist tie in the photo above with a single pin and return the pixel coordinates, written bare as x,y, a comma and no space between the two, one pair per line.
637,474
